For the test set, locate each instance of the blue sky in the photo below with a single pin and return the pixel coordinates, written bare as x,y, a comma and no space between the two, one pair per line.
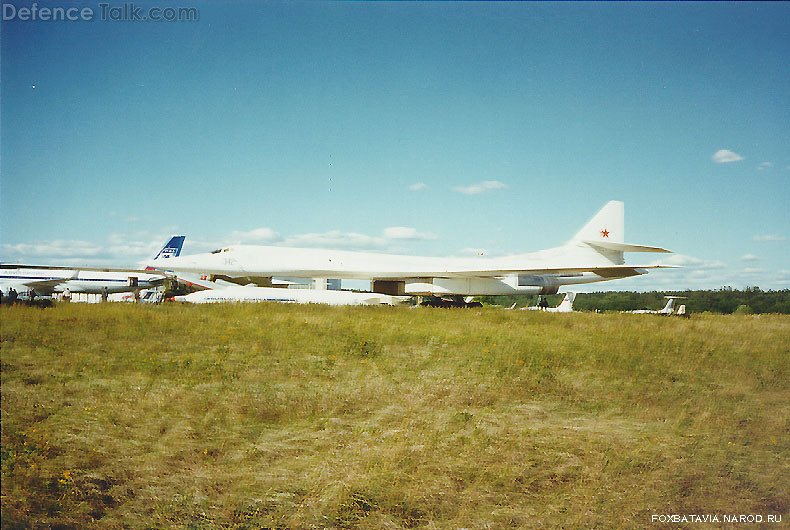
422,128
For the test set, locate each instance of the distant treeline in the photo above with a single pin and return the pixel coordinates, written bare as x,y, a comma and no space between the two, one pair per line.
725,300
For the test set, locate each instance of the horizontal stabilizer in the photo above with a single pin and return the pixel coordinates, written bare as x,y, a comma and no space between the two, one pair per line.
618,272
609,271
624,247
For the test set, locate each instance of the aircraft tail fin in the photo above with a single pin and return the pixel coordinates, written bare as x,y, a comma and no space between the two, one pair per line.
608,225
605,233
566,306
668,308
171,249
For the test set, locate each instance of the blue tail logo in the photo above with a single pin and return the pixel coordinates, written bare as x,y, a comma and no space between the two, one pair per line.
171,249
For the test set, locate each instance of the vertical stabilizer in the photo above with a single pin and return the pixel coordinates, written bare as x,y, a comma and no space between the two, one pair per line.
668,307
171,249
566,306
608,225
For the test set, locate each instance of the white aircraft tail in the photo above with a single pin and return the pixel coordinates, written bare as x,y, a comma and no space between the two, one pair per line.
566,306
605,233
608,225
172,248
668,308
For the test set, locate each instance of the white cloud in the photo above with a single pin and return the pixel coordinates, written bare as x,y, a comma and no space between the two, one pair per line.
770,237
136,249
405,232
696,273
120,250
482,187
353,240
256,236
724,156
335,239
691,262
765,165
418,186
59,248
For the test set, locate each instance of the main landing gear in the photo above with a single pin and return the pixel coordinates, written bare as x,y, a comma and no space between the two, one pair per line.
448,301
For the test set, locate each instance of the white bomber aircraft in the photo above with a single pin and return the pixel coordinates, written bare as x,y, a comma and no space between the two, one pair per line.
594,254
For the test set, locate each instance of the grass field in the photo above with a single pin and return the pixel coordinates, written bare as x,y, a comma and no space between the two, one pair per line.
283,416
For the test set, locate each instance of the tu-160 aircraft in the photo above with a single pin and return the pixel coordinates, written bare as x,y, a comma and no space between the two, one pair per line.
46,280
594,254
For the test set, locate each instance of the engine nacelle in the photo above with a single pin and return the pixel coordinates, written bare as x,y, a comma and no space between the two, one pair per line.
541,284
477,286
457,286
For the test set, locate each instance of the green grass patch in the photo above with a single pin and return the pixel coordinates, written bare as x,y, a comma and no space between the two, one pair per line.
281,416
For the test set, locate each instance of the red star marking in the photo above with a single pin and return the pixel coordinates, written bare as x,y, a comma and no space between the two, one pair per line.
604,233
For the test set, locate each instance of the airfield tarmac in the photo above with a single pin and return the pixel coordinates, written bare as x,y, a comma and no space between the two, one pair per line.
285,416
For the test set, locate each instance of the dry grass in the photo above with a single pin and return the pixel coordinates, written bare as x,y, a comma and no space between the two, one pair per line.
276,416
